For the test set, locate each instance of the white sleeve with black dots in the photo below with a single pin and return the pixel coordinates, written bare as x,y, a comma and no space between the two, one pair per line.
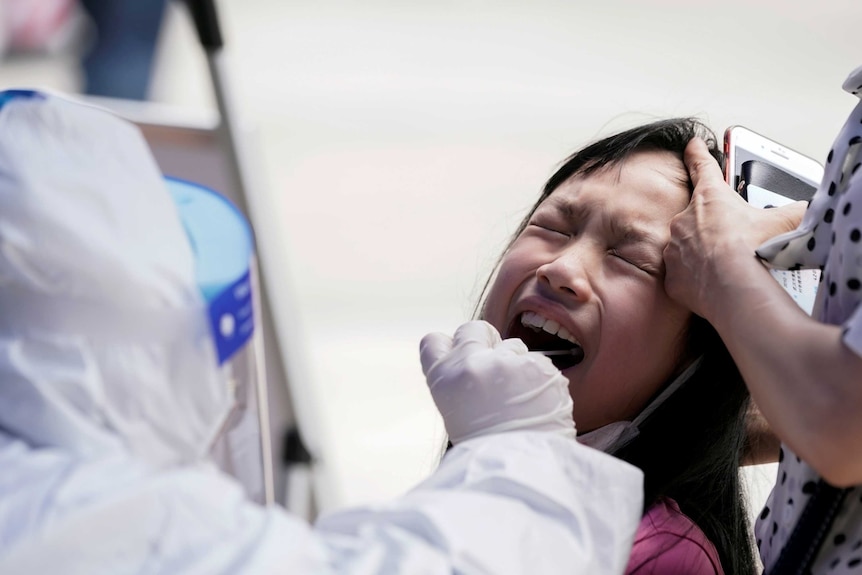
830,235
829,238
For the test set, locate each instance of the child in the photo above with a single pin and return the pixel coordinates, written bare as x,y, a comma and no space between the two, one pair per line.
804,372
652,383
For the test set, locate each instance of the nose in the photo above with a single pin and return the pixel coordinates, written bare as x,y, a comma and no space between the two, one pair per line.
570,272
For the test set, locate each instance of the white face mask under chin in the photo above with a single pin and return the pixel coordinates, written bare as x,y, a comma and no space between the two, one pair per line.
619,433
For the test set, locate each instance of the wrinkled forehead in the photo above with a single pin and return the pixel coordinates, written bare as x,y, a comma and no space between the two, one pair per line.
659,171
648,186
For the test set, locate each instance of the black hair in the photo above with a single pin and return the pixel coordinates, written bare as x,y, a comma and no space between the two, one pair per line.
691,446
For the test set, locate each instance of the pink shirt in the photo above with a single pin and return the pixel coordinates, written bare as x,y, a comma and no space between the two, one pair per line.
669,543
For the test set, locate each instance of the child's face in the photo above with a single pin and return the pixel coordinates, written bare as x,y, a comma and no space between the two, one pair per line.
589,267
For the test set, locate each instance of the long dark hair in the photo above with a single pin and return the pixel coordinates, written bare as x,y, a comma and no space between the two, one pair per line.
690,447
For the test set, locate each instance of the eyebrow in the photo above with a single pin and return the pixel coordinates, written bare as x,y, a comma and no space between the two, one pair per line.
627,234
630,234
567,209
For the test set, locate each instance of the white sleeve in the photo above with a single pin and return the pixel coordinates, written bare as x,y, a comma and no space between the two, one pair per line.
509,503
517,502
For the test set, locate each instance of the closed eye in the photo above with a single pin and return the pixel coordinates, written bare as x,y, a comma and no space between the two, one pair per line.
551,229
643,266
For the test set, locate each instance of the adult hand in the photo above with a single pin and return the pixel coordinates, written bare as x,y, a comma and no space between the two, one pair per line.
716,235
483,385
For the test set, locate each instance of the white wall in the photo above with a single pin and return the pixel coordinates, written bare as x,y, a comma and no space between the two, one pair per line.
401,143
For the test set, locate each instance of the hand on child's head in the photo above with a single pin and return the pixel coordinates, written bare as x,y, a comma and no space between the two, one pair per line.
718,223
702,168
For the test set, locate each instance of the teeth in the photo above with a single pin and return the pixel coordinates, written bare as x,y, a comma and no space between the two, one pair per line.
537,322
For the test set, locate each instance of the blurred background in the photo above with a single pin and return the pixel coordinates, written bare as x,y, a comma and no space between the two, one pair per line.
394,147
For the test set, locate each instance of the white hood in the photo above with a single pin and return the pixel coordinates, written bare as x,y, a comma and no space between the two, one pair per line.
97,285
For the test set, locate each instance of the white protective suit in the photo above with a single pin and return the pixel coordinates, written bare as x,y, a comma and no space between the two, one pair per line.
110,397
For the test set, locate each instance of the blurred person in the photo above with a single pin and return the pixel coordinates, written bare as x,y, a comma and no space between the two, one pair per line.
119,60
116,40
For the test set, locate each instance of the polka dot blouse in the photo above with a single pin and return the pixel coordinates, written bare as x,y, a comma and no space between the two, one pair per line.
829,238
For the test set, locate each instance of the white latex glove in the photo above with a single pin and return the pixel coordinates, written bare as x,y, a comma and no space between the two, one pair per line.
483,385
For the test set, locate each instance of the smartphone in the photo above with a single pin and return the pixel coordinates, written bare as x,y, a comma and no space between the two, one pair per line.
768,174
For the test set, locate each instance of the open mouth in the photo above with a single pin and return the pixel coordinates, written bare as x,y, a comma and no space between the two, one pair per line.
547,336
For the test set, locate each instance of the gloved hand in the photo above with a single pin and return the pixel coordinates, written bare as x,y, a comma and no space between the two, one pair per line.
483,385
